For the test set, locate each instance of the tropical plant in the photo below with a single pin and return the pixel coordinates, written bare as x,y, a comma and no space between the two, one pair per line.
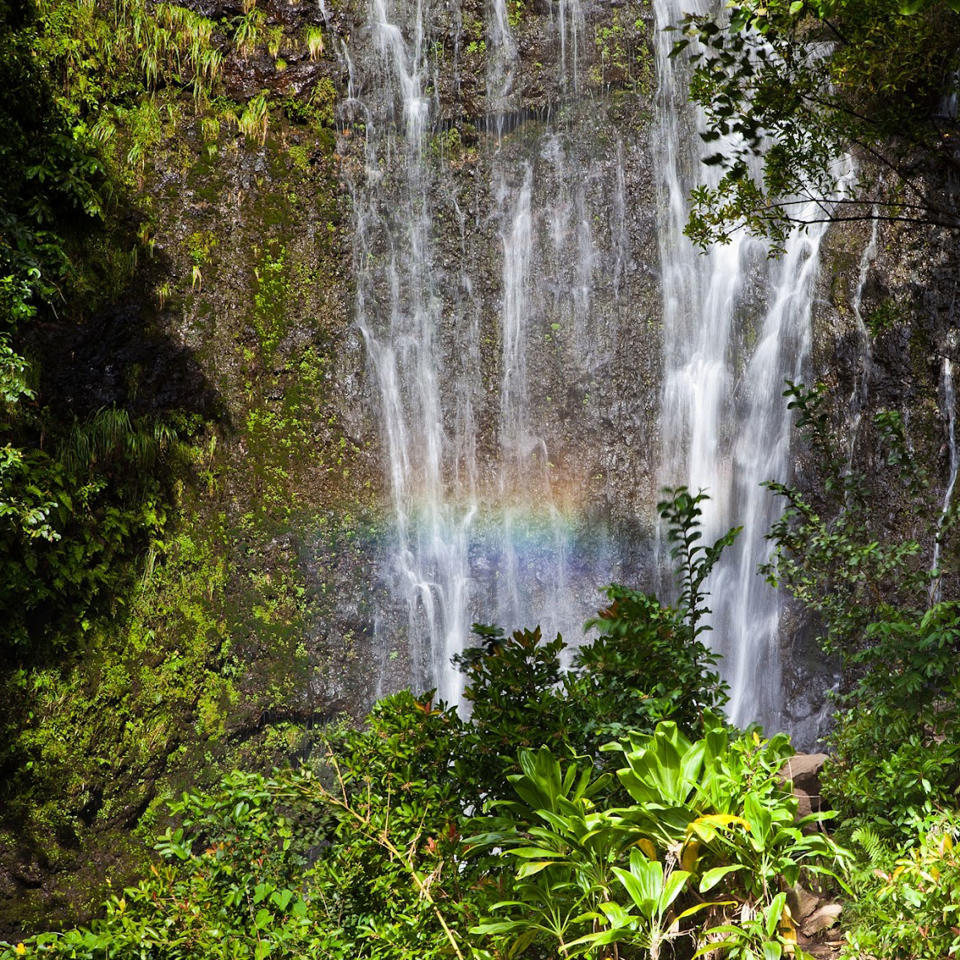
707,815
908,901
765,935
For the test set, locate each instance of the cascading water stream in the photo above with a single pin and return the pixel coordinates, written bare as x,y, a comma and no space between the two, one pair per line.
483,527
861,380
950,408
398,309
488,473
727,352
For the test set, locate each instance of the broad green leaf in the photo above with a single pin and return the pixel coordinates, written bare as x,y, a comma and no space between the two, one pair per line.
281,898
672,888
772,950
500,926
533,866
534,852
522,942
697,907
712,877
714,946
616,915
774,912
646,904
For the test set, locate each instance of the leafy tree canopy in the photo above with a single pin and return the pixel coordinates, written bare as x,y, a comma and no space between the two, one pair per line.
789,86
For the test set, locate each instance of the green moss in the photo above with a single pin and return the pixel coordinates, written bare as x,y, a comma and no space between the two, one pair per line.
271,297
212,641
885,317
299,156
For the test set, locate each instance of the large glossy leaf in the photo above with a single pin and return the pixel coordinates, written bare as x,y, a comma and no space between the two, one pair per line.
534,852
534,866
672,888
772,950
712,877
773,913
706,827
644,886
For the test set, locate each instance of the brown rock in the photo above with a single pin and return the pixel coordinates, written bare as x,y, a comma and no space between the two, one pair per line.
805,803
821,919
802,902
804,770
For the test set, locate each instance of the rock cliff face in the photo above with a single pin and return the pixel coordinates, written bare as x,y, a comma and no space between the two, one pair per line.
884,339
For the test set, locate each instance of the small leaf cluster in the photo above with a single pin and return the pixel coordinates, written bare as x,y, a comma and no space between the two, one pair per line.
787,87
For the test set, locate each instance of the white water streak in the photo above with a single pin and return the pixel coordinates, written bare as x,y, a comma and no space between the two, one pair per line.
861,379
725,425
950,407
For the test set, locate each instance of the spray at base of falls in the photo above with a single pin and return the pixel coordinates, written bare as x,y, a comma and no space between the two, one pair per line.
725,424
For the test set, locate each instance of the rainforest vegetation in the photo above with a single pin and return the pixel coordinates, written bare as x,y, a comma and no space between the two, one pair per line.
592,800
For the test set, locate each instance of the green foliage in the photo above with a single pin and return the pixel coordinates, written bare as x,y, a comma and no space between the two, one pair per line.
52,183
229,884
897,744
644,666
255,119
78,497
795,85
648,662
365,856
908,902
708,815
513,686
693,560
382,821
69,518
761,935
271,298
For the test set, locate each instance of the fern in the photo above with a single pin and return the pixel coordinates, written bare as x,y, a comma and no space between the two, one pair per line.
111,438
876,850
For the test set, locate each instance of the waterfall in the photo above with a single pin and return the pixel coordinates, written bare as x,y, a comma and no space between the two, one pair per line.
736,324
950,408
398,310
861,378
506,313
487,314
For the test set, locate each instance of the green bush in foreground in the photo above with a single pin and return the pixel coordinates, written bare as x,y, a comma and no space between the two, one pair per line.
375,855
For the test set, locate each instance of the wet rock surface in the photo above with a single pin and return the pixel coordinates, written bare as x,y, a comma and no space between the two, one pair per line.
885,322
